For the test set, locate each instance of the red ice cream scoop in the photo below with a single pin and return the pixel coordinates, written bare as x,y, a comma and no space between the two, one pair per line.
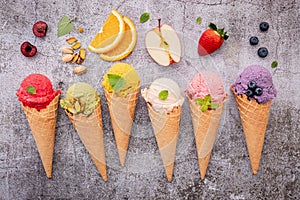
36,91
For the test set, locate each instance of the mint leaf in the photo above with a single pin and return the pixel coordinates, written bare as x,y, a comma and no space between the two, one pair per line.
64,26
204,107
144,17
163,95
31,90
199,20
274,64
214,105
207,99
116,82
199,101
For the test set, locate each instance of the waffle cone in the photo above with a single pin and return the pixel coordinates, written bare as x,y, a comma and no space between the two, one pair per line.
122,113
206,125
89,129
254,117
166,128
42,124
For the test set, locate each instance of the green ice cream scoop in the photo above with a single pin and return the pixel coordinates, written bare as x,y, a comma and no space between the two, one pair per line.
80,98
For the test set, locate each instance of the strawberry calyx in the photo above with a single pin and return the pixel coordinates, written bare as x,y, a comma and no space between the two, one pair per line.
220,31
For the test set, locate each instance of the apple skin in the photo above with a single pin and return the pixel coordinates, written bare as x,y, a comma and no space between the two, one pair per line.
163,45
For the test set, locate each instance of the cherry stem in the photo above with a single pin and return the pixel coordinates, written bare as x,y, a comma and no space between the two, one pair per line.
159,24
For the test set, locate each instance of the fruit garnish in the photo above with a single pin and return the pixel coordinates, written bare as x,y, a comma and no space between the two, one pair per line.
249,93
163,45
254,40
125,46
144,17
252,85
65,26
258,91
39,29
110,35
31,90
211,40
253,89
206,103
163,95
28,49
264,26
262,52
274,64
199,20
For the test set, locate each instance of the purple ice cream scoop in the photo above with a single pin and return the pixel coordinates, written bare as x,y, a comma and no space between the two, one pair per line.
255,82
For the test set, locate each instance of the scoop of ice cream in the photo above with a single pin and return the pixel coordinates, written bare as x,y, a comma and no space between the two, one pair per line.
121,79
163,102
256,82
80,98
36,91
205,83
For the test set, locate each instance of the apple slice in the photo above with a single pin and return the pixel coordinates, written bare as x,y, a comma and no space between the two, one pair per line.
163,45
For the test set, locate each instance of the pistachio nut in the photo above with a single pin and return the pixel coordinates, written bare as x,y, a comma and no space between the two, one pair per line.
80,69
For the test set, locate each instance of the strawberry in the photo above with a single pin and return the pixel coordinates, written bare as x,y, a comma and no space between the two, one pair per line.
211,40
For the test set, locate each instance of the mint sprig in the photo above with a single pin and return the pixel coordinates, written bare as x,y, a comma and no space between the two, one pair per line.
116,82
31,90
163,95
206,103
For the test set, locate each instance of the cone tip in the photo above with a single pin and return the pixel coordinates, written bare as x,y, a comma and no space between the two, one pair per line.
169,177
104,177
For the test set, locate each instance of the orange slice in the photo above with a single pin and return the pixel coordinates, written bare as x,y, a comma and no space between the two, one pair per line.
127,44
110,35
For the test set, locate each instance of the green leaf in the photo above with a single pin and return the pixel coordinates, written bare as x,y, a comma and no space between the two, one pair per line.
274,64
64,26
199,101
204,107
163,95
207,99
199,20
116,82
31,90
214,105
144,17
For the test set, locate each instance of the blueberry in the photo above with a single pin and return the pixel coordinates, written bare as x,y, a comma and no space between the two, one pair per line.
252,85
264,26
254,40
249,93
262,52
258,91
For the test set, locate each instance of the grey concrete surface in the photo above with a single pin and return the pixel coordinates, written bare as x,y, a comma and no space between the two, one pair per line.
229,172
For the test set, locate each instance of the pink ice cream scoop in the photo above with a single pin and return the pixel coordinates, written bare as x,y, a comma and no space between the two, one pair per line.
36,91
205,83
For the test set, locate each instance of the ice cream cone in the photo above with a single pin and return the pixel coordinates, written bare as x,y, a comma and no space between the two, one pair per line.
254,117
42,124
166,128
206,125
121,111
89,129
